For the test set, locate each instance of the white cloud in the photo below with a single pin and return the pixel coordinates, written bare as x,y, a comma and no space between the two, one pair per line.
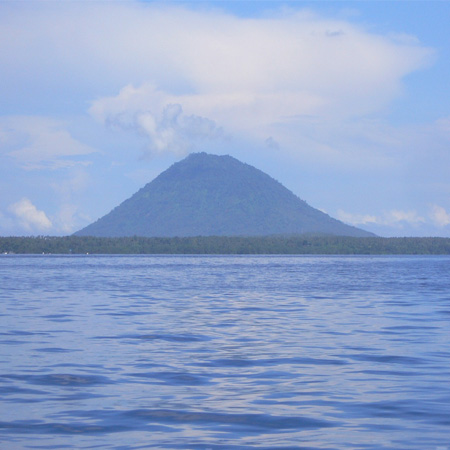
440,216
172,130
397,216
153,113
67,215
392,218
396,222
40,143
25,216
257,78
29,217
248,76
68,219
355,219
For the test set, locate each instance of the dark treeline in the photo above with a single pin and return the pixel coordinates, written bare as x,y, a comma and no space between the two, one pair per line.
302,244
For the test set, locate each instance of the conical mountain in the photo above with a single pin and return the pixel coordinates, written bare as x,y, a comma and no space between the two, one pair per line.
209,195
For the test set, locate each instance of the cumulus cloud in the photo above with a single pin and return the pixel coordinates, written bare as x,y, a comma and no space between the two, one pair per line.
174,131
29,217
249,76
258,78
440,216
150,112
40,143
26,217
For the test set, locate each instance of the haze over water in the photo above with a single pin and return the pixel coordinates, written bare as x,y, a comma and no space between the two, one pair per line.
223,352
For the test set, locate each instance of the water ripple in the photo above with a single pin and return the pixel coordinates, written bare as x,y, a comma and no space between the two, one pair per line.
235,352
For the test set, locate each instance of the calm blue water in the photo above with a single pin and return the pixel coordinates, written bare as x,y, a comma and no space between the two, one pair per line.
194,352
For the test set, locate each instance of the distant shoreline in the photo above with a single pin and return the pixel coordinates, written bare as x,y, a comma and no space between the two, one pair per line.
226,245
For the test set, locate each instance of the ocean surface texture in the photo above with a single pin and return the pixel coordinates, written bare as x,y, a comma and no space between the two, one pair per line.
234,352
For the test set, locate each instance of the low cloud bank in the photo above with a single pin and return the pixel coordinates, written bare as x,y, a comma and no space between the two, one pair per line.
436,219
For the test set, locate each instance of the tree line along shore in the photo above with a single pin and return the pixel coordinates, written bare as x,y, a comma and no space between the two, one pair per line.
285,245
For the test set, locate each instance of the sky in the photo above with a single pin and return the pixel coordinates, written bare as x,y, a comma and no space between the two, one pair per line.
345,103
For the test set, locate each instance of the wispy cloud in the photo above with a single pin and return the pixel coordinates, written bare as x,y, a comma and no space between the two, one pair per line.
435,216
68,219
356,219
393,217
40,143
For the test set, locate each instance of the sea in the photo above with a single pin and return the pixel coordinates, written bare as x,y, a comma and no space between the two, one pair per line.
224,352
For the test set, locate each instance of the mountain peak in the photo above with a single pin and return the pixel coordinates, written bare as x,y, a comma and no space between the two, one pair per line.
206,195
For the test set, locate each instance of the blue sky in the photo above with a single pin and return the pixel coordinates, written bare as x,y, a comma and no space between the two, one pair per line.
345,103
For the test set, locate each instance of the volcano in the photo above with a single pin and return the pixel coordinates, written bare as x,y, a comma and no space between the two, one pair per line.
210,195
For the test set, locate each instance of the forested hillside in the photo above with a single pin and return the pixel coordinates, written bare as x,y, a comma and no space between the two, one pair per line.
210,195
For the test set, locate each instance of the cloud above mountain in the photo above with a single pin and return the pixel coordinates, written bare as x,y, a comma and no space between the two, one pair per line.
113,88
253,77
151,113
247,75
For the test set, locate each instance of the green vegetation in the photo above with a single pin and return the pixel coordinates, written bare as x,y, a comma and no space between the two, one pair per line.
289,245
209,195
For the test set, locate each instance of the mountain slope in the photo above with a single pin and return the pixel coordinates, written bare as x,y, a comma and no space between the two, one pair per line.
205,195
